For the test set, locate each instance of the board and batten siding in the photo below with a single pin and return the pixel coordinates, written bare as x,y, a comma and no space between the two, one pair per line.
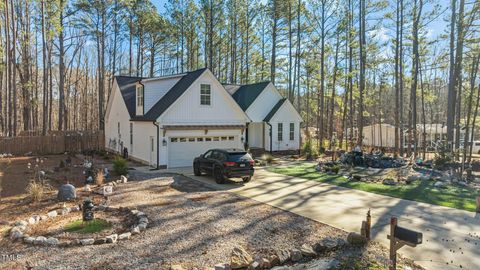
286,114
186,110
156,89
118,113
258,110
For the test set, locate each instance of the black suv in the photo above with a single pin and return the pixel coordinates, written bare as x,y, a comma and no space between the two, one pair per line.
225,163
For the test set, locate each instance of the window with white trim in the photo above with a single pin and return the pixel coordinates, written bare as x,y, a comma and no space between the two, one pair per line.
205,94
140,92
280,131
292,131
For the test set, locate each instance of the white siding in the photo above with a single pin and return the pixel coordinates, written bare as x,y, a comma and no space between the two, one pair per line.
116,113
263,104
255,135
156,89
188,111
141,148
286,114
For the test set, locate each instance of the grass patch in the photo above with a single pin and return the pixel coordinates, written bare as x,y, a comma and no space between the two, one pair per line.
422,191
93,226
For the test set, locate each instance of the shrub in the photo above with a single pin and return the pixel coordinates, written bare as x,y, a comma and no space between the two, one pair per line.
120,165
308,150
267,158
442,158
36,191
99,178
335,169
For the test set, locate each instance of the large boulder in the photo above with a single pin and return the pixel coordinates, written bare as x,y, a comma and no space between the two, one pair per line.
357,239
66,192
240,258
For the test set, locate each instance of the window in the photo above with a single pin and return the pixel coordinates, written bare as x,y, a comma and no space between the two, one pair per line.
208,154
173,139
223,138
292,131
208,139
131,133
230,138
140,91
280,131
205,94
216,139
183,139
191,139
199,139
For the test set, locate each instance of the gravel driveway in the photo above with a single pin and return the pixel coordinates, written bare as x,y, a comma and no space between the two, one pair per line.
190,224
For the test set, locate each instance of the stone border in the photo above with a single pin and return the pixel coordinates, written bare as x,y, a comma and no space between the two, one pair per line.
17,232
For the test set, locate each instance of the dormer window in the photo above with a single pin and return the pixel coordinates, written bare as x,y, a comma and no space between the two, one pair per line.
205,94
140,98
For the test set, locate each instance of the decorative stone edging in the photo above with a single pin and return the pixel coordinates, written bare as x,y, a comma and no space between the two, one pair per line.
18,231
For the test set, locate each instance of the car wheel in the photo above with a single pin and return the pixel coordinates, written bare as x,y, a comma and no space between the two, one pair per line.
196,170
246,179
218,176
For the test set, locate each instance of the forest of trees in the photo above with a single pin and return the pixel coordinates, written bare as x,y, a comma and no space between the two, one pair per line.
343,64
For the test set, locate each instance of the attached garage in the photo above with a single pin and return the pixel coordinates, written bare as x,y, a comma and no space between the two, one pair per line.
185,143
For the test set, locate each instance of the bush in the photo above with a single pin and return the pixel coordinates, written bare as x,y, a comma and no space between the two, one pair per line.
267,158
309,151
120,166
335,169
36,191
99,178
442,158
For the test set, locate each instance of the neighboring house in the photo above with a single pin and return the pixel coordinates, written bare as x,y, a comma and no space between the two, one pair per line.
275,123
167,121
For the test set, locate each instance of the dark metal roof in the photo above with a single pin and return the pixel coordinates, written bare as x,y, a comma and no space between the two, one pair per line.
274,109
127,88
246,94
170,97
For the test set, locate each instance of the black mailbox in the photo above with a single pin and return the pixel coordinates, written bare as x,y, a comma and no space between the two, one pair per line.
411,238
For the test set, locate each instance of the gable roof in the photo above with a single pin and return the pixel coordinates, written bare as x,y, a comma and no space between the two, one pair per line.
170,97
246,94
274,109
127,85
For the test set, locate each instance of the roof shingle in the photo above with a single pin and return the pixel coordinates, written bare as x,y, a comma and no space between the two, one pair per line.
246,94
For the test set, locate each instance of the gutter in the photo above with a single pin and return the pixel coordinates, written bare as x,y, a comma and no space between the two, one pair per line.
270,125
158,144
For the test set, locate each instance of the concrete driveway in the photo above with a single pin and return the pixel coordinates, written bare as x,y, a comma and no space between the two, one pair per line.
451,237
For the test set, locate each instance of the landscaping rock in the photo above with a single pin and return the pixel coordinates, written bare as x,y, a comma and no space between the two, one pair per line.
21,223
274,260
112,238
140,214
439,184
283,256
29,240
65,211
66,192
100,241
143,220
264,263
75,208
324,264
255,265
124,236
87,242
123,179
240,258
356,239
15,234
43,217
222,266
296,255
389,182
135,230
177,267
307,251
87,188
32,220
142,226
40,240
52,214
51,241
66,244
328,244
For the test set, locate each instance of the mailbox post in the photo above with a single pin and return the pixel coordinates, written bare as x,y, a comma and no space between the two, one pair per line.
399,237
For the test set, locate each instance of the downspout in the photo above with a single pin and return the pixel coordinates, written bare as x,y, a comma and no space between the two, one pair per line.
158,144
270,136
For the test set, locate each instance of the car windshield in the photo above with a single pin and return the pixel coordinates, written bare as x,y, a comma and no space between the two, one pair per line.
238,156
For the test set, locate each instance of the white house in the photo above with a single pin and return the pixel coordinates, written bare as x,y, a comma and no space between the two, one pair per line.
167,121
275,123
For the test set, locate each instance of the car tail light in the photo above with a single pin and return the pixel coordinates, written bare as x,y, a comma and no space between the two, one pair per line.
252,162
229,163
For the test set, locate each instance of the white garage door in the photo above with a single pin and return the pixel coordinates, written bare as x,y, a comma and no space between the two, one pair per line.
182,150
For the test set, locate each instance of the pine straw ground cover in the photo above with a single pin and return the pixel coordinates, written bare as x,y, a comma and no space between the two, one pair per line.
191,225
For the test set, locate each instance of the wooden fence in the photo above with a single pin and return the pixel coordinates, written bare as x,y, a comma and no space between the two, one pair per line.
53,144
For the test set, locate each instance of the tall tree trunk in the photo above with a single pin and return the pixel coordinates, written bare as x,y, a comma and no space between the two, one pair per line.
452,94
274,41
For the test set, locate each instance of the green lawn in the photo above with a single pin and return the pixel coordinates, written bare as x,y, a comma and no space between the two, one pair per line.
93,226
421,191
